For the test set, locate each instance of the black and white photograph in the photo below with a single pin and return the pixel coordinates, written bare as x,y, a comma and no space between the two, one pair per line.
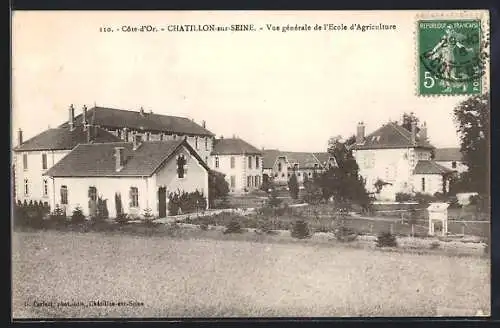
250,164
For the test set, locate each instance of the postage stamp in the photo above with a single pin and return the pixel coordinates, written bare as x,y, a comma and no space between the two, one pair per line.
451,57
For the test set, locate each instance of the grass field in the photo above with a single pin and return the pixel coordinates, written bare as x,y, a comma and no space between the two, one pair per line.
196,277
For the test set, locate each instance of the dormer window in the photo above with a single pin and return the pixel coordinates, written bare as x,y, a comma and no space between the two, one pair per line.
181,162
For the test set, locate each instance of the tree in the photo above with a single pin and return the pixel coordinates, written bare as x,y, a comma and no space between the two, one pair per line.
293,186
472,118
408,119
217,187
343,182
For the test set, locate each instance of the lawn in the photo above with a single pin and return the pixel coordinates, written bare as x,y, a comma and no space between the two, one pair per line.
176,277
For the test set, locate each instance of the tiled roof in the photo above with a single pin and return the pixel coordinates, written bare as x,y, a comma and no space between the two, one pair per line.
391,135
430,167
119,118
304,159
98,160
233,146
65,139
448,154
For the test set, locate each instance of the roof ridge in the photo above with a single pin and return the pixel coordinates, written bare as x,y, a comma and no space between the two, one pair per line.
134,111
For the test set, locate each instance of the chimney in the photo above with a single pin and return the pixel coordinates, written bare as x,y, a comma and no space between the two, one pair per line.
137,140
203,124
423,132
141,111
119,158
71,117
20,137
221,136
360,133
84,117
413,133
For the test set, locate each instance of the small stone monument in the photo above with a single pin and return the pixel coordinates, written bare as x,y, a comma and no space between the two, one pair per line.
438,212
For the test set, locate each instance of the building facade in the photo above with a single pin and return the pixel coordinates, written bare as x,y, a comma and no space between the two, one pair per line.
399,159
140,174
33,157
240,162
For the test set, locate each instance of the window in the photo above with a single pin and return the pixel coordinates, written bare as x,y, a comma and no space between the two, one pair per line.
26,187
298,174
93,193
217,162
233,181
147,136
454,165
206,159
134,197
206,143
25,162
45,188
423,184
181,162
257,181
279,167
249,181
44,161
196,142
257,162
64,195
249,162
232,162
282,175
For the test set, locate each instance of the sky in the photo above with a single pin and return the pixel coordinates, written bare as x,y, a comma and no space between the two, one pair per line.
286,90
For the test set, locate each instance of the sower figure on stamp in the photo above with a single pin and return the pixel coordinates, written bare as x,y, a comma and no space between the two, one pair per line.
448,50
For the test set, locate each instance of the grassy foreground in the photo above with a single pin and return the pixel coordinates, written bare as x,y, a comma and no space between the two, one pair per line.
196,277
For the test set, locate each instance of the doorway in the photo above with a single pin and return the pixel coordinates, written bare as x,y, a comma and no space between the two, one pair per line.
162,202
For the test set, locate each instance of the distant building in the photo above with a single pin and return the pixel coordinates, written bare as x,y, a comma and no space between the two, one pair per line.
280,165
142,173
239,161
400,158
450,158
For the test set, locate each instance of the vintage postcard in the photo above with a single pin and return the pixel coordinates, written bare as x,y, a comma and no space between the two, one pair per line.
250,164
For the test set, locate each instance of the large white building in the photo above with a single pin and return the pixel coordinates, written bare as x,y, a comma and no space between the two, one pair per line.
140,173
239,161
399,158
33,157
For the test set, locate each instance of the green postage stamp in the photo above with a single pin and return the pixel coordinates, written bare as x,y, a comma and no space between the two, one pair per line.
451,57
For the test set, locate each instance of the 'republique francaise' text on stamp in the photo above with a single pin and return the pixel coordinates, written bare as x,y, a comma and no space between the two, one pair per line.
451,60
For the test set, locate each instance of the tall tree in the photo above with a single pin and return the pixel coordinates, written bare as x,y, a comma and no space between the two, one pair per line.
472,118
343,182
293,186
407,119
